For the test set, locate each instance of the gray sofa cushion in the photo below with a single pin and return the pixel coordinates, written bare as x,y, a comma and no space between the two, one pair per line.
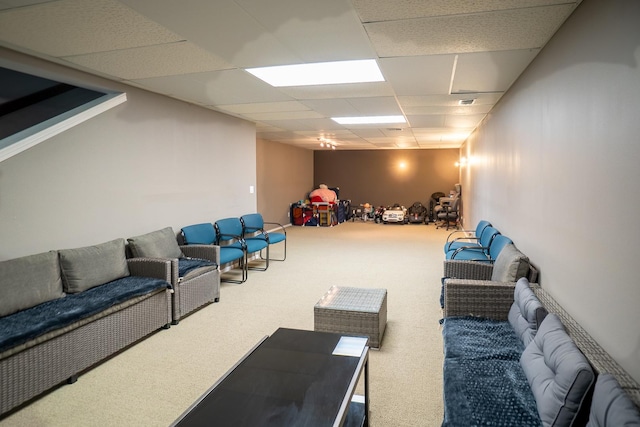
558,373
611,406
84,268
526,313
510,265
28,281
157,244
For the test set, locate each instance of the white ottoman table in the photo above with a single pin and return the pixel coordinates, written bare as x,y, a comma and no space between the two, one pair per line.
353,311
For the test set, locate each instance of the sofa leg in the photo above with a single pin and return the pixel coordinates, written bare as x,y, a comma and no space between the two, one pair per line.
216,300
168,325
72,379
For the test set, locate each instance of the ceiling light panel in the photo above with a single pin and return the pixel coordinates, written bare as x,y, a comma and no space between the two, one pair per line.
321,73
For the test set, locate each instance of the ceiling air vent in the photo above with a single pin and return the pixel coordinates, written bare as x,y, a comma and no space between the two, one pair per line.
466,101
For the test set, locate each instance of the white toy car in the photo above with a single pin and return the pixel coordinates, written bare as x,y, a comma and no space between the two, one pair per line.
395,213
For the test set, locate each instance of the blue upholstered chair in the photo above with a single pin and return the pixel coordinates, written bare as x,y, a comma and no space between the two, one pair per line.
458,238
230,233
205,234
253,227
488,253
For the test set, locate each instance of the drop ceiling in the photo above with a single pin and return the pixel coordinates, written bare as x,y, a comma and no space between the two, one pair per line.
433,55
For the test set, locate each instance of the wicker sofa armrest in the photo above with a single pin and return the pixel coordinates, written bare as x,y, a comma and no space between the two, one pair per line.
158,268
479,298
473,270
208,252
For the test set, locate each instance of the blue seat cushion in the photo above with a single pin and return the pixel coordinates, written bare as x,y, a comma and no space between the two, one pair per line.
468,255
452,246
276,238
230,253
255,244
28,324
484,383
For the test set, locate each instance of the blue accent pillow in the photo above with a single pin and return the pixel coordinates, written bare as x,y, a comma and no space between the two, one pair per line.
558,373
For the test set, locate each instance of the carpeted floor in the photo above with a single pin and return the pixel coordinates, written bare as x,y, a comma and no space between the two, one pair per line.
153,382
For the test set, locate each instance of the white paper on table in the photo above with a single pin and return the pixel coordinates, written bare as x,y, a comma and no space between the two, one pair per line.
350,346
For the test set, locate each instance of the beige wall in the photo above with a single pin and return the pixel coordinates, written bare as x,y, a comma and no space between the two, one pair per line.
375,176
285,173
149,163
555,167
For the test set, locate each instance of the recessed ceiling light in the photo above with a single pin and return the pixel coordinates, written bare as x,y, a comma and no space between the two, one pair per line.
469,101
321,73
364,120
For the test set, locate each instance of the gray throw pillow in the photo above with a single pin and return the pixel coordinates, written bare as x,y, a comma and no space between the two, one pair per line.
558,373
611,406
510,265
90,266
28,281
526,312
157,244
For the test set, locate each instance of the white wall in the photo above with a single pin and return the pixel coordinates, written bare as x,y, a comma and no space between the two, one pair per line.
556,168
149,163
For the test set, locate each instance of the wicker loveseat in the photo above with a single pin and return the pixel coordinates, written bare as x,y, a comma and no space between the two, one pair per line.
513,356
63,311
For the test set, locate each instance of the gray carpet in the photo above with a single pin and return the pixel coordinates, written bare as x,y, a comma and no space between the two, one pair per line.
153,382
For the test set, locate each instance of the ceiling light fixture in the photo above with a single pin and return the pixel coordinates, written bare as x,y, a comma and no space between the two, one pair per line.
325,143
320,73
470,101
366,120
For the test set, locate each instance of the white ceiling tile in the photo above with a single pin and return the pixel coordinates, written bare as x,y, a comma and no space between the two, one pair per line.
284,115
152,61
264,107
447,100
223,27
490,71
385,10
426,121
502,30
302,27
217,87
379,106
74,27
468,121
421,75
332,107
457,110
354,90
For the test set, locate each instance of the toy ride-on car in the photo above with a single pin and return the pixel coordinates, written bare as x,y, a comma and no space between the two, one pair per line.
417,213
395,213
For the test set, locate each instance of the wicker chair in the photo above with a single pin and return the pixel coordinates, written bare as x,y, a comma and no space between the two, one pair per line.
195,275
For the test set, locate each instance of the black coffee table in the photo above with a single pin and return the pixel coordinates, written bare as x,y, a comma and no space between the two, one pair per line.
291,378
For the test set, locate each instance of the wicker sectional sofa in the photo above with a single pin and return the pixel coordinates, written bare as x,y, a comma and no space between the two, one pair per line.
61,312
514,356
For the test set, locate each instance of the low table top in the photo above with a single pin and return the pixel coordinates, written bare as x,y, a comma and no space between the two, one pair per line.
352,299
291,378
